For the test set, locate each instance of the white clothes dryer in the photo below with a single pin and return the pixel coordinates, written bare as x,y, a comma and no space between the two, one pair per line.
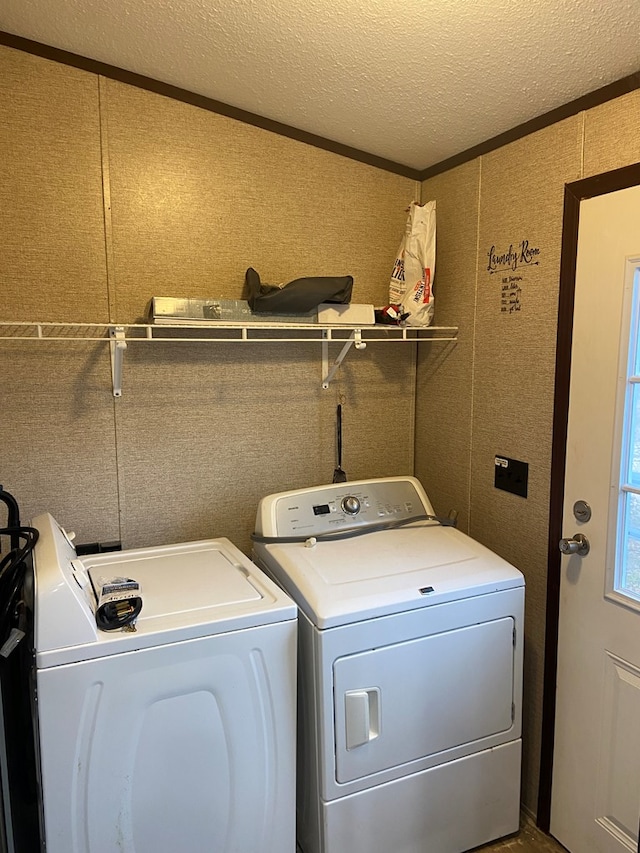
180,734
410,670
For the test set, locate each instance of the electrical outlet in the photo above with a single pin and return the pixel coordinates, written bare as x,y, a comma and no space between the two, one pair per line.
511,475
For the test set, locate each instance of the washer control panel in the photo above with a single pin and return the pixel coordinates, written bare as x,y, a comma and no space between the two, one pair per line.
315,511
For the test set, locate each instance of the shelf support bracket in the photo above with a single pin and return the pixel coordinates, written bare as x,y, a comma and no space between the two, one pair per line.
329,373
118,345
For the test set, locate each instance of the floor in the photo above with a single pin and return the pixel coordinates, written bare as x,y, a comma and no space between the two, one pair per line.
528,840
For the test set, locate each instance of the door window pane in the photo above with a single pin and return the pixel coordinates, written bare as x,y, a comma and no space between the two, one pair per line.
627,562
629,574
633,456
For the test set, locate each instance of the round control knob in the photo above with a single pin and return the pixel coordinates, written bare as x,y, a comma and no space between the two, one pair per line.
351,505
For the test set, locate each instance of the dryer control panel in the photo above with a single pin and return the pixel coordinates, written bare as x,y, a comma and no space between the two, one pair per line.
342,505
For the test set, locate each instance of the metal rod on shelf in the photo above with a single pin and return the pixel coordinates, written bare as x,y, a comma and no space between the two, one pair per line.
356,338
118,346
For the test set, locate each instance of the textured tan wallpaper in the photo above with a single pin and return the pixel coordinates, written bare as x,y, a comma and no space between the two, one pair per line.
197,198
444,374
515,348
202,430
52,256
57,434
56,430
612,135
205,431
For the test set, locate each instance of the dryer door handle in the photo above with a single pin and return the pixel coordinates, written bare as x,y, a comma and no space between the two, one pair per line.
362,716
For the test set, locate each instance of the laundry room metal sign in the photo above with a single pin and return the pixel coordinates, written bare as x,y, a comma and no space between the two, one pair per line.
514,261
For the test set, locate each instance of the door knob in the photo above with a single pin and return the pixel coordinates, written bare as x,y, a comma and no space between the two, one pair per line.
579,544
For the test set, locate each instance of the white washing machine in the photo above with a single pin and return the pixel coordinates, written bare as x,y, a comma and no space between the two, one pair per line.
179,735
410,670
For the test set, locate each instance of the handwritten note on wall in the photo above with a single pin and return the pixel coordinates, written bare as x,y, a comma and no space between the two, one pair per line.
513,260
510,294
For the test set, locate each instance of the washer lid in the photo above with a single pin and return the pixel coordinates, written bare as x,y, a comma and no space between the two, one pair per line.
202,579
386,572
189,590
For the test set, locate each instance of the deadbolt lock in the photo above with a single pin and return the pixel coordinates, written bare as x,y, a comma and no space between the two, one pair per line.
581,511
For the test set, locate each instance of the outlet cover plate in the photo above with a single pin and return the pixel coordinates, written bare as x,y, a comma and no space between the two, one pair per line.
511,475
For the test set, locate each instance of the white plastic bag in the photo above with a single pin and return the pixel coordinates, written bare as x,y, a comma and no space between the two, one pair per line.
411,285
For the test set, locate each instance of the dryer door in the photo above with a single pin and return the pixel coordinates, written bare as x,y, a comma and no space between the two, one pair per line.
423,697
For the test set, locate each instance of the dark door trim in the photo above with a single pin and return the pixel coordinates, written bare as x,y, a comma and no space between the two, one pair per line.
574,194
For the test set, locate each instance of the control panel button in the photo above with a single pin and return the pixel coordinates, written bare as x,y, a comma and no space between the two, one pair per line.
351,505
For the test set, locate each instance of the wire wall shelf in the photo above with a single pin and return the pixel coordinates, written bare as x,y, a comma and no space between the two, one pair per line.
118,336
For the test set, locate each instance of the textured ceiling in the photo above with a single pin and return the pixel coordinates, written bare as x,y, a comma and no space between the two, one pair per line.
412,81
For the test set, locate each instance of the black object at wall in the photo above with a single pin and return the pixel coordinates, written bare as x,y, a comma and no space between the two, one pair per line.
21,814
